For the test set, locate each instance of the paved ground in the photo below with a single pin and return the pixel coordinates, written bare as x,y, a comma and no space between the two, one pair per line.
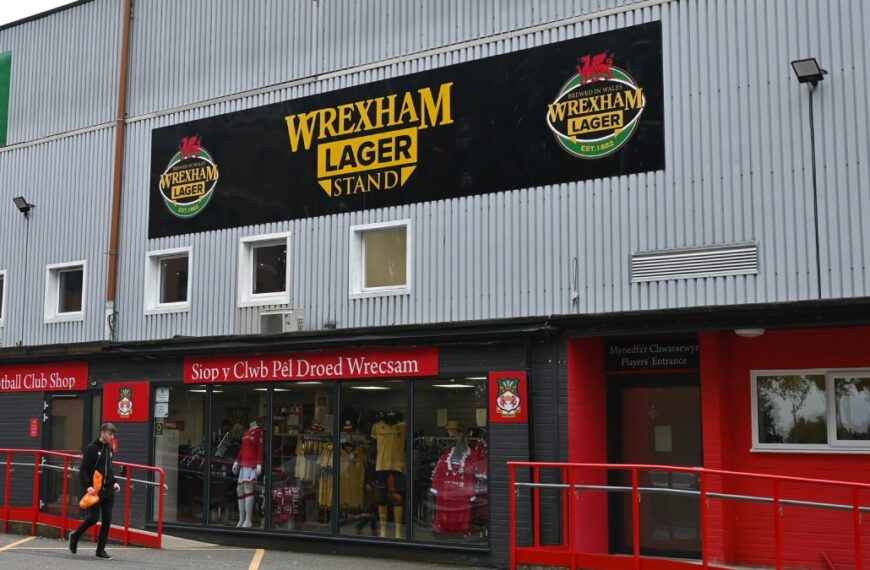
18,551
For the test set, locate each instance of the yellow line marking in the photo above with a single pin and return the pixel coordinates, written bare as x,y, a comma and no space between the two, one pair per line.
258,556
16,543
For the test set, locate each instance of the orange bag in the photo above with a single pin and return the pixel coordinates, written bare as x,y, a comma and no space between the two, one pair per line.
90,500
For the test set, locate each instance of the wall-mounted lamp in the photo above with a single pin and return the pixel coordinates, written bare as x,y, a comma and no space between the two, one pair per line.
749,333
23,205
808,71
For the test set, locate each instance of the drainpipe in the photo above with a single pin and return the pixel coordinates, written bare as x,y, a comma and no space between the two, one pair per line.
120,131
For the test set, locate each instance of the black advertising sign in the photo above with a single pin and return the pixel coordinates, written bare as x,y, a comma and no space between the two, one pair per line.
574,110
656,354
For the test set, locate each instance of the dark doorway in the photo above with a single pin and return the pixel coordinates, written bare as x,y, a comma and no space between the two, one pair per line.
655,419
73,420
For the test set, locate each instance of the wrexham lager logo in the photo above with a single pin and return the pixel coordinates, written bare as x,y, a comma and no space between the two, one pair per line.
597,110
371,145
508,399
189,179
125,402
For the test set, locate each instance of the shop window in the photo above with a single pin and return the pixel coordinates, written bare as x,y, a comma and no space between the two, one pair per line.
451,497
373,459
167,283
238,458
812,410
2,297
181,449
380,259
302,456
263,277
64,292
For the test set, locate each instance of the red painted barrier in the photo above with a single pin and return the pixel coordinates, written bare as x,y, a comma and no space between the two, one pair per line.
570,486
35,516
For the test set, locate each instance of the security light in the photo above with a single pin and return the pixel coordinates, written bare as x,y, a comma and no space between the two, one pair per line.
808,70
22,204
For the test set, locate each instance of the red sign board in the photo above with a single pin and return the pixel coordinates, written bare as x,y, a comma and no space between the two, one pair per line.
34,427
508,394
325,365
126,402
54,377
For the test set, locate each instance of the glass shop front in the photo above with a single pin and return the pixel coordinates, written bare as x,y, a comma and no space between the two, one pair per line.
389,450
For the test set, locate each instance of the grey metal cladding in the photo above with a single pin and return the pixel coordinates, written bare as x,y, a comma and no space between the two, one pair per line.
64,70
737,160
221,48
69,181
737,171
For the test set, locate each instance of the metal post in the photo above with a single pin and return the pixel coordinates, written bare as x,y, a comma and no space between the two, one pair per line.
512,491
777,525
705,523
36,485
536,505
635,517
815,192
64,507
571,505
160,509
128,486
6,492
856,525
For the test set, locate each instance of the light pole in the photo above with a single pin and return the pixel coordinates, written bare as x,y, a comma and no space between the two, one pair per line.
24,207
808,71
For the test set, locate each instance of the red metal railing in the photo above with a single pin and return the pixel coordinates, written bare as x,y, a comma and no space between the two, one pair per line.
34,514
592,478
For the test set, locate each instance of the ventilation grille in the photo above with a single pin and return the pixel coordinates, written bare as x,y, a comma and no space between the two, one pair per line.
695,262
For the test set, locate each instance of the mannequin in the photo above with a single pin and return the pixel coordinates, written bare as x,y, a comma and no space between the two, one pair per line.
248,466
389,434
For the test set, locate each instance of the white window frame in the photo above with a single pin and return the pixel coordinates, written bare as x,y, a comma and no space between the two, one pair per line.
356,271
52,284
5,295
153,306
834,445
244,284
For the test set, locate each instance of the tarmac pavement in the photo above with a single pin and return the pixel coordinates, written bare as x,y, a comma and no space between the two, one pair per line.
27,552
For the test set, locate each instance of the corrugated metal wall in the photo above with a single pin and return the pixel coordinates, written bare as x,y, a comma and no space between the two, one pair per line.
64,70
737,158
69,180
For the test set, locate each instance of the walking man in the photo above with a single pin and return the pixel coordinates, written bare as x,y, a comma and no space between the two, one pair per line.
98,457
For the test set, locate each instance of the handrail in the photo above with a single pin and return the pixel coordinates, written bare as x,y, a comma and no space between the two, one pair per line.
35,516
570,490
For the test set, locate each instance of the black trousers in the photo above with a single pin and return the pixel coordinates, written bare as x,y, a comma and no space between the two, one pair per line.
102,509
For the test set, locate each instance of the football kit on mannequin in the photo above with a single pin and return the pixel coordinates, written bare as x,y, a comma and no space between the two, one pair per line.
249,466
389,434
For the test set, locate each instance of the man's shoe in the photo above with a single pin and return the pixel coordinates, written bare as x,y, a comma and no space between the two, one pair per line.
104,555
73,543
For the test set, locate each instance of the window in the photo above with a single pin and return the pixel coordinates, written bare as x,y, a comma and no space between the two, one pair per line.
380,259
263,275
2,297
813,410
167,281
64,292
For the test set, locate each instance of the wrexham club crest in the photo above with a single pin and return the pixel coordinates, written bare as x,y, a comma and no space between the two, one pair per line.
508,401
125,402
189,180
598,108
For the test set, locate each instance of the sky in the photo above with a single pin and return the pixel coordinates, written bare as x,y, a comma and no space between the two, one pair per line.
12,10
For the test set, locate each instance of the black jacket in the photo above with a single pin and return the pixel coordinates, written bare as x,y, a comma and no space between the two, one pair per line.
98,457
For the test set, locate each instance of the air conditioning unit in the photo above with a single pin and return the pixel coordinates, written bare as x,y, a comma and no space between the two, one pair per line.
273,322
